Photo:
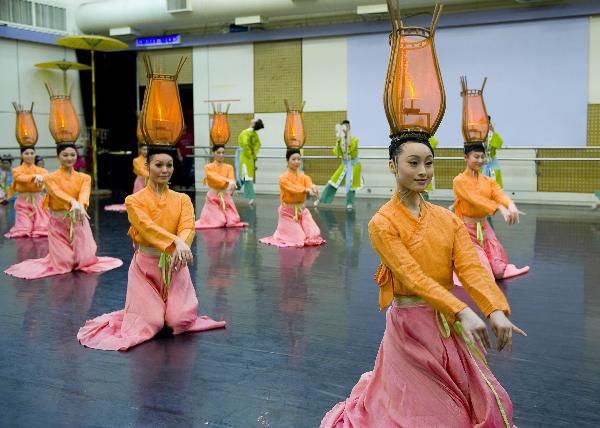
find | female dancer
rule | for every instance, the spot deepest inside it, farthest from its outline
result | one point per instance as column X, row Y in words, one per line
column 477, row 196
column 31, row 219
column 160, row 292
column 219, row 209
column 296, row 227
column 140, row 169
column 70, row 239
column 427, row 374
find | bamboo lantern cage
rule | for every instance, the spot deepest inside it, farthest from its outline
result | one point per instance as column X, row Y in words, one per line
column 161, row 120
column 26, row 131
column 219, row 130
column 414, row 97
column 475, row 122
column 64, row 123
column 293, row 133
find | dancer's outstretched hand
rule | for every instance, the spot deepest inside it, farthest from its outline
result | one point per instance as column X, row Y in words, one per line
column 182, row 256
column 504, row 329
column 79, row 212
column 474, row 328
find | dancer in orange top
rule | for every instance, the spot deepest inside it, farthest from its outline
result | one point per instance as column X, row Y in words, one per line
column 71, row 243
column 31, row 218
column 430, row 370
column 296, row 227
column 476, row 197
column 160, row 292
column 219, row 209
column 140, row 170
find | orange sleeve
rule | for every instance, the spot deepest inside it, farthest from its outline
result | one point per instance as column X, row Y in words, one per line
column 139, row 167
column 19, row 176
column 498, row 195
column 307, row 182
column 151, row 232
column 291, row 188
column 56, row 192
column 185, row 228
column 397, row 258
column 86, row 188
column 465, row 192
column 230, row 173
column 478, row 282
column 213, row 179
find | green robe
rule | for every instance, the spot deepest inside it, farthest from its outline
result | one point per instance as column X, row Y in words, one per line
column 350, row 165
column 246, row 155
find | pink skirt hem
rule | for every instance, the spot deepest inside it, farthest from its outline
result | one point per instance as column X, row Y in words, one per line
column 290, row 232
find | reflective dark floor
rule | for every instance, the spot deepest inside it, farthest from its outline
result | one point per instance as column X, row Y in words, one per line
column 303, row 325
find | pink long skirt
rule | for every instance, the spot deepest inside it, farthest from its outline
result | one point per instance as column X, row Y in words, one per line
column 31, row 219
column 64, row 256
column 422, row 380
column 138, row 184
column 295, row 233
column 492, row 254
column 215, row 215
column 146, row 312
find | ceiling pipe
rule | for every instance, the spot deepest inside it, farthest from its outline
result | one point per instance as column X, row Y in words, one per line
column 152, row 15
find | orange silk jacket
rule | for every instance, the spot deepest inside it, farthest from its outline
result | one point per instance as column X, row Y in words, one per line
column 418, row 257
column 63, row 187
column 157, row 222
column 477, row 196
column 293, row 187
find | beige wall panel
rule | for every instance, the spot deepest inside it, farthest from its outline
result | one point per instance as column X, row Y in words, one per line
column 324, row 74
column 201, row 133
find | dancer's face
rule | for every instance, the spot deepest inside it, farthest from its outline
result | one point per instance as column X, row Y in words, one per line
column 143, row 151
column 28, row 156
column 294, row 162
column 160, row 167
column 475, row 160
column 220, row 154
column 67, row 157
column 413, row 167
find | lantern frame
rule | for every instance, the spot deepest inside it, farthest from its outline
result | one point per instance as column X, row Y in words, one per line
column 398, row 40
column 465, row 93
column 295, row 113
column 21, row 114
column 219, row 112
column 151, row 76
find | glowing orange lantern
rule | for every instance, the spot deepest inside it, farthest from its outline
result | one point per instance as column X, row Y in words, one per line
column 219, row 131
column 64, row 124
column 293, row 133
column 414, row 97
column 25, row 129
column 162, row 116
column 475, row 122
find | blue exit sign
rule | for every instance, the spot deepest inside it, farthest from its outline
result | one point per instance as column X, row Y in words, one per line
column 173, row 39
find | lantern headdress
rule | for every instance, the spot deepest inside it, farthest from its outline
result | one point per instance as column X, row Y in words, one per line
column 293, row 133
column 414, row 97
column 64, row 123
column 25, row 129
column 161, row 120
column 475, row 122
column 219, row 130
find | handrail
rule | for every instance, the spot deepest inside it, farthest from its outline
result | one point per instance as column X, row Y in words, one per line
column 386, row 148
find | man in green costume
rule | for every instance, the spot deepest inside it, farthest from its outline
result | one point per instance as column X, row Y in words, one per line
column 245, row 158
column 349, row 172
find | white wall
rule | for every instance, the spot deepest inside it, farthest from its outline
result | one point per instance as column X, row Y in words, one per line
column 23, row 83
column 594, row 52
